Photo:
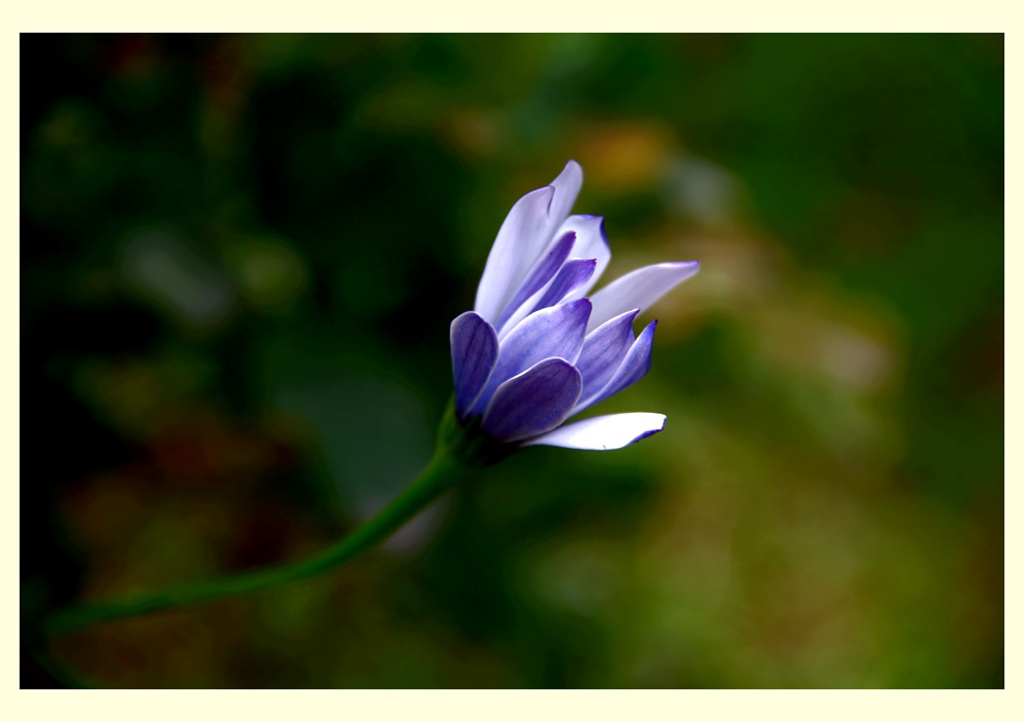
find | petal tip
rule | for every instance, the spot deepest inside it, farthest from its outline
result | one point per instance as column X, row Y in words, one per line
column 649, row 328
column 546, row 194
column 548, row 190
column 649, row 432
column 579, row 303
column 551, row 197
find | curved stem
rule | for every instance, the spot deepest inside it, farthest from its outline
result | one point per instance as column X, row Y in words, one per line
column 441, row 474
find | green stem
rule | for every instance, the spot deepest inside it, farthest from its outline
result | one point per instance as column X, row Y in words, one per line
column 441, row 474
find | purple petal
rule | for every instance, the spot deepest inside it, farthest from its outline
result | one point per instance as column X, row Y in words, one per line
column 553, row 332
column 603, row 433
column 474, row 351
column 639, row 289
column 602, row 354
column 591, row 242
column 571, row 276
column 522, row 238
column 635, row 364
column 533, row 402
column 543, row 271
column 507, row 262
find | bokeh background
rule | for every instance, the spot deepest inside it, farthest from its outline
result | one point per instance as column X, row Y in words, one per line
column 239, row 259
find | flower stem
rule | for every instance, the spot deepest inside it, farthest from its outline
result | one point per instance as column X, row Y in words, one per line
column 443, row 471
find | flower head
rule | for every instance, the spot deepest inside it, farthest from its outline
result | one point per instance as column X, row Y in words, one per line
column 535, row 350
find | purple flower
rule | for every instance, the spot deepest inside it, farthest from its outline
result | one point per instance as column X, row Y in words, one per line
column 536, row 350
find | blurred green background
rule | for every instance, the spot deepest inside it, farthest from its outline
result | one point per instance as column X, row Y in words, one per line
column 239, row 259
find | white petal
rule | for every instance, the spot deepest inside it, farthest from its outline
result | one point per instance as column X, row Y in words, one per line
column 603, row 433
column 522, row 239
column 506, row 265
column 591, row 242
column 567, row 186
column 638, row 289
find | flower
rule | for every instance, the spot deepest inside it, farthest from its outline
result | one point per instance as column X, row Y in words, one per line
column 535, row 350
